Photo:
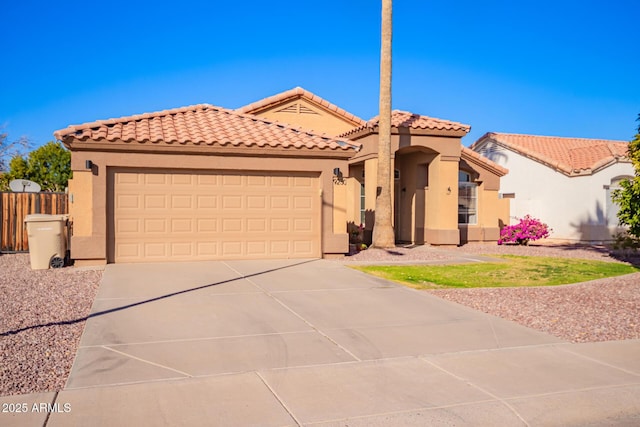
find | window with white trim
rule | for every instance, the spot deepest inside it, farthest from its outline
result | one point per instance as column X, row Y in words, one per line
column 467, row 199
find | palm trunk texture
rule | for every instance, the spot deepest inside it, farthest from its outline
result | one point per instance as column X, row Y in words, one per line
column 383, row 235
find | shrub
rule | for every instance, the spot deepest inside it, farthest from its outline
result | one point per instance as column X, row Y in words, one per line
column 526, row 230
column 626, row 242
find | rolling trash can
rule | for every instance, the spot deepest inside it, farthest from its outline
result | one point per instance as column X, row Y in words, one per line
column 47, row 236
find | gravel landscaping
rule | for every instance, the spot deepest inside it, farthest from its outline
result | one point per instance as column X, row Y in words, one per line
column 44, row 312
column 41, row 321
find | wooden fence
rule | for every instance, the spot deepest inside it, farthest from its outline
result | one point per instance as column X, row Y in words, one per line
column 14, row 207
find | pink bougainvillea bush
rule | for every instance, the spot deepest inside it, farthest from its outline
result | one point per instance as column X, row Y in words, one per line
column 526, row 230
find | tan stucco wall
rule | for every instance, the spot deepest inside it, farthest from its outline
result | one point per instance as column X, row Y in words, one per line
column 427, row 212
column 442, row 202
column 340, row 202
column 413, row 188
column 92, row 189
column 491, row 210
column 447, row 146
column 81, row 203
column 307, row 115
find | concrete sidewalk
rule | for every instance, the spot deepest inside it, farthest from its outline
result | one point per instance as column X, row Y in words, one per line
column 312, row 342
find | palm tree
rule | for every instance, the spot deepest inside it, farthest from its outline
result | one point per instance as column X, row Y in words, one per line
column 383, row 235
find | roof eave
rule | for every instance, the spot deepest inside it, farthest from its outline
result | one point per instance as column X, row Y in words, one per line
column 74, row 144
column 364, row 131
column 479, row 160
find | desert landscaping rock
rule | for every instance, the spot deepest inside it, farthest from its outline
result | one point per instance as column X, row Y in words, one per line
column 41, row 321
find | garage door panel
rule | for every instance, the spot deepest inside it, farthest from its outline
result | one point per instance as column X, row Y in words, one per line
column 128, row 201
column 154, row 201
column 207, row 225
column 129, row 225
column 280, row 202
column 164, row 215
column 302, row 203
column 232, row 180
column 207, row 202
column 179, row 179
column 155, row 225
column 181, row 201
column 154, row 180
column 256, row 202
column 232, row 202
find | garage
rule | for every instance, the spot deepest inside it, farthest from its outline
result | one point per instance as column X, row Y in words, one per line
column 177, row 215
column 204, row 183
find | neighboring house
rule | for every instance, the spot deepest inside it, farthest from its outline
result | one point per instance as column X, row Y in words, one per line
column 204, row 182
column 565, row 182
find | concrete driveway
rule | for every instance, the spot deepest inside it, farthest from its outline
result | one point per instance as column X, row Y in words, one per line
column 312, row 342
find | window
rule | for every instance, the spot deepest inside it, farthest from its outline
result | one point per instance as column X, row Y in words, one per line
column 467, row 199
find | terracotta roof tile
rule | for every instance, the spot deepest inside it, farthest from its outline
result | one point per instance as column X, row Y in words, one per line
column 470, row 154
column 571, row 156
column 405, row 119
column 201, row 124
column 299, row 92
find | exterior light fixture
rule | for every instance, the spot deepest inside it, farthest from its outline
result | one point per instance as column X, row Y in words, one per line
column 88, row 164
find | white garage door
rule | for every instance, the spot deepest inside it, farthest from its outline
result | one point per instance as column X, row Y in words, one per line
column 177, row 216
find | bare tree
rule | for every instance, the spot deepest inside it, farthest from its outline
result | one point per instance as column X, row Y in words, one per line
column 383, row 235
column 10, row 149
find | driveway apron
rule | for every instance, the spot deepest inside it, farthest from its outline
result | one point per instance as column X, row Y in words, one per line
column 313, row 342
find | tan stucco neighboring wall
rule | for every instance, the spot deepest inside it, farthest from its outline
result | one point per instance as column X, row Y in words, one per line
column 93, row 214
column 309, row 116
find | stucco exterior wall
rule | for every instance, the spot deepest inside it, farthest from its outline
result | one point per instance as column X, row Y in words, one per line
column 574, row 207
column 441, row 225
column 81, row 202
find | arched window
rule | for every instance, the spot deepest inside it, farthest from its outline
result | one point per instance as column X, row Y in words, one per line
column 467, row 199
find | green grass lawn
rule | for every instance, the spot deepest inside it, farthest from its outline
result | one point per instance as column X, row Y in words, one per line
column 515, row 271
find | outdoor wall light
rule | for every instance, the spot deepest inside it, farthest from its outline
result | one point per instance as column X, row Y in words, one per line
column 448, row 190
column 337, row 172
column 88, row 164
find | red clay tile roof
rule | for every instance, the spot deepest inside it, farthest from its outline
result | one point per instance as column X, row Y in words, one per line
column 572, row 156
column 201, row 124
column 299, row 92
column 471, row 155
column 405, row 119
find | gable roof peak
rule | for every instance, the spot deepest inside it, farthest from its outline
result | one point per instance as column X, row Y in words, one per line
column 299, row 92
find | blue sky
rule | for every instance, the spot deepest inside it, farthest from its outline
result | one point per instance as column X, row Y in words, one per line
column 564, row 68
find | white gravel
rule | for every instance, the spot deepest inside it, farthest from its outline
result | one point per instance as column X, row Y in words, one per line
column 43, row 312
column 42, row 317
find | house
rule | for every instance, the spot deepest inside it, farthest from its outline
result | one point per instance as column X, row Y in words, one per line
column 565, row 182
column 278, row 178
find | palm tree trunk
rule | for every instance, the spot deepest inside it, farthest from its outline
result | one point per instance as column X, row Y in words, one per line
column 383, row 235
